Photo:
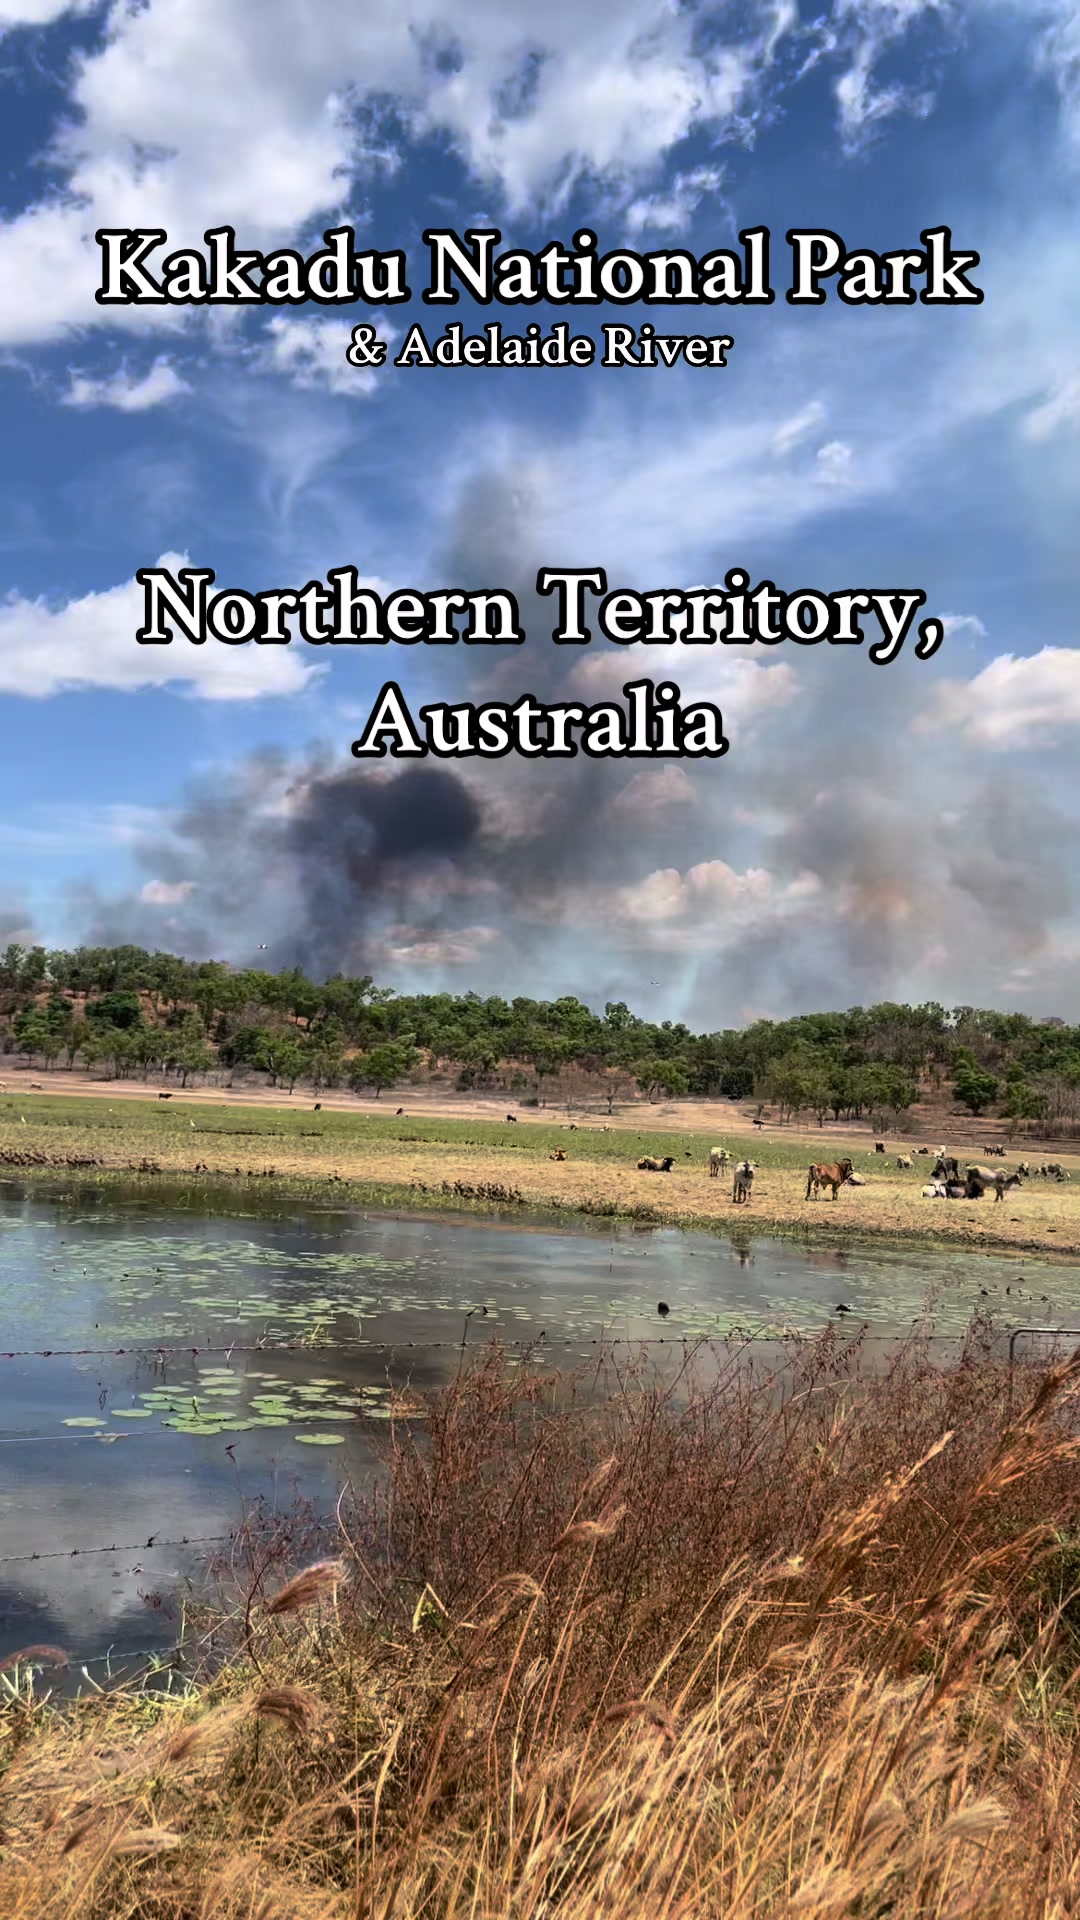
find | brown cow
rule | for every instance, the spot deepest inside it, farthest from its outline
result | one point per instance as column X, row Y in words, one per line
column 834, row 1177
column 557, row 1153
column 648, row 1165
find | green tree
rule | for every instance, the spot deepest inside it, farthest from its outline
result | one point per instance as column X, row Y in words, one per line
column 974, row 1089
column 383, row 1066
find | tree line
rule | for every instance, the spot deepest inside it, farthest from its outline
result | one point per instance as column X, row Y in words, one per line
column 135, row 1013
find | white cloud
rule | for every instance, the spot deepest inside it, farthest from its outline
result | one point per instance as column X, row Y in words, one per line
column 743, row 689
column 264, row 112
column 311, row 354
column 196, row 111
column 165, row 893
column 834, row 464
column 1017, row 701
column 127, row 395
column 672, row 209
column 669, row 911
column 791, row 431
column 90, row 642
column 39, row 13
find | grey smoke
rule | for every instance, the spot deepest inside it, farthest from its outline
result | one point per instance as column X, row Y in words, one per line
column 930, row 878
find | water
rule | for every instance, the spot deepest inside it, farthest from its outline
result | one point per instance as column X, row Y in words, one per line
column 171, row 1418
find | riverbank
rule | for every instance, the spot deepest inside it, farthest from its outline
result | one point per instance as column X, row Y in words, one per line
column 791, row 1644
column 431, row 1160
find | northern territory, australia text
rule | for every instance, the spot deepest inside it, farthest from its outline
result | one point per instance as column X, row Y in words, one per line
column 344, row 610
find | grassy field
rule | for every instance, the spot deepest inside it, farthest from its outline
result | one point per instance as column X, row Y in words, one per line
column 799, row 1647
column 436, row 1160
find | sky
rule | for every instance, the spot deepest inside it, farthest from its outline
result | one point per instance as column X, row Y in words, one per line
column 905, row 831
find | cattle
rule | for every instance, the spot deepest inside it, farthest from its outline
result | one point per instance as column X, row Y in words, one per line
column 954, row 1190
column 649, row 1165
column 1004, row 1183
column 317, row 1108
column 986, row 1174
column 743, row 1184
column 935, row 1191
column 924, row 1149
column 164, row 1096
column 904, row 1160
column 834, row 1177
column 1024, row 1170
column 945, row 1168
column 511, row 1119
column 995, row 1153
column 879, row 1146
column 718, row 1159
column 557, row 1153
column 855, row 1180
column 759, row 1123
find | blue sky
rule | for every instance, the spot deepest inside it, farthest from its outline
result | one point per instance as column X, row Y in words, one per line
column 903, row 831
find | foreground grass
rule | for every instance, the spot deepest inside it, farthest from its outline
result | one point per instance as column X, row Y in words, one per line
column 367, row 1158
column 780, row 1645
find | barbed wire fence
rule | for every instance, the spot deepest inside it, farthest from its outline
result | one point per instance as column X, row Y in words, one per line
column 162, row 1660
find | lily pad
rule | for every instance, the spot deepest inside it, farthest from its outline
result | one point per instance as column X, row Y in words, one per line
column 133, row 1413
column 320, row 1439
column 83, row 1420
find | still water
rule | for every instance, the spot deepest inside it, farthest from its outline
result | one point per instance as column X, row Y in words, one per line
column 146, row 1393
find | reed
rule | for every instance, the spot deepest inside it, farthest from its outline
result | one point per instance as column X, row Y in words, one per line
column 798, row 1644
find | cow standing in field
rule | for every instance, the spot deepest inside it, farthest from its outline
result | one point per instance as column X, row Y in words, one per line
column 511, row 1119
column 834, row 1177
column 946, row 1168
column 904, row 1161
column 718, row 1159
column 744, row 1181
column 879, row 1146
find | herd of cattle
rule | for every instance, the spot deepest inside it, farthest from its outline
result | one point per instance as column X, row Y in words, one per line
column 947, row 1181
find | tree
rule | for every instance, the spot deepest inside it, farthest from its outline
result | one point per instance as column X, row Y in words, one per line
column 974, row 1089
column 383, row 1066
column 120, row 1010
column 1022, row 1102
column 289, row 1062
column 656, row 1076
column 77, row 1036
column 31, row 1030
column 617, row 1084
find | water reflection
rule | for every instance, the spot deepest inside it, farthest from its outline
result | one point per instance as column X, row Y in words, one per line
column 197, row 1361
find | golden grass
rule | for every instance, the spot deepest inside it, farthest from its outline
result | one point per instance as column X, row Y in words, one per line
column 797, row 1645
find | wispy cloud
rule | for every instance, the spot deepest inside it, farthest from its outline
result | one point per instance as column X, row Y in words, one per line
column 127, row 394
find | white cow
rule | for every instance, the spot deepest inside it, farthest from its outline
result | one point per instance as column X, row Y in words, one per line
column 718, row 1159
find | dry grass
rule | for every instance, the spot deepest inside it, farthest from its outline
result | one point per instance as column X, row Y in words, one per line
column 790, row 1645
